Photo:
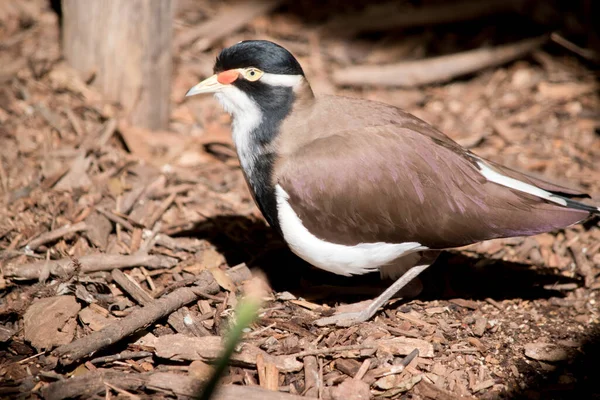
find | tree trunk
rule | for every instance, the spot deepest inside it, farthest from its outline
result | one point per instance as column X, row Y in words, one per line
column 127, row 43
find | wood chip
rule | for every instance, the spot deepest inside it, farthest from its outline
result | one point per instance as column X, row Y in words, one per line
column 351, row 389
column 402, row 346
column 50, row 321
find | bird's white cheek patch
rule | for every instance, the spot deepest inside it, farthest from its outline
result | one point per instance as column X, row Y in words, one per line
column 332, row 257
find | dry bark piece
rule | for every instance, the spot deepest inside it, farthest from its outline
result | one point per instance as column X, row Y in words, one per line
column 6, row 333
column 479, row 327
column 99, row 227
column 546, row 352
column 209, row 348
column 403, row 346
column 94, row 319
column 311, row 376
column 50, row 321
column 431, row 391
column 200, row 370
column 77, row 176
column 398, row 382
column 483, row 385
column 565, row 91
column 131, row 287
column 268, row 374
column 351, row 389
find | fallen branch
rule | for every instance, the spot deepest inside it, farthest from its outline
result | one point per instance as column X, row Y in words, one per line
column 434, row 70
column 226, row 22
column 144, row 316
column 389, row 16
column 90, row 263
column 55, row 235
column 93, row 383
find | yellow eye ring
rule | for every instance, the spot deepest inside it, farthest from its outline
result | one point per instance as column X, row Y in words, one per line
column 252, row 74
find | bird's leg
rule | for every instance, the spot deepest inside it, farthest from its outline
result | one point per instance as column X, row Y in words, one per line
column 349, row 319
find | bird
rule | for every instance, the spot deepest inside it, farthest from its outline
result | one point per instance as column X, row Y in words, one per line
column 355, row 186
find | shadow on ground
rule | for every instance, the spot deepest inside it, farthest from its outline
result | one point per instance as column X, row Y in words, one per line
column 453, row 275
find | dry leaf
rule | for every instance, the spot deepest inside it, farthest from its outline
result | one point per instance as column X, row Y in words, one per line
column 222, row 279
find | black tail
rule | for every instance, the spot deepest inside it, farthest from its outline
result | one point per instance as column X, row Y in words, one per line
column 576, row 205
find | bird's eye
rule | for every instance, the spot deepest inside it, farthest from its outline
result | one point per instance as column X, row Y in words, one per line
column 252, row 74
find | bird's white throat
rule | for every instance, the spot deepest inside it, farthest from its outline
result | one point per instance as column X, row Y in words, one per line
column 246, row 116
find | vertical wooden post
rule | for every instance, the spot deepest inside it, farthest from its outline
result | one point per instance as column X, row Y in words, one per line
column 128, row 45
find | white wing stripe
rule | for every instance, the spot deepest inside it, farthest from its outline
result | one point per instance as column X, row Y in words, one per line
column 515, row 184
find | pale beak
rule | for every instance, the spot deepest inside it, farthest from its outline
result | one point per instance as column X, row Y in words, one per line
column 209, row 85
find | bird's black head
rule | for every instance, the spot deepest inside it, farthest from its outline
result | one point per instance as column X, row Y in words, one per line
column 256, row 81
column 254, row 75
column 261, row 54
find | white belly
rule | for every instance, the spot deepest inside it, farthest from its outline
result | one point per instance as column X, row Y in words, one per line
column 337, row 258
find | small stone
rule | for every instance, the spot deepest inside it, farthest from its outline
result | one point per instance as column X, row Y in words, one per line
column 545, row 352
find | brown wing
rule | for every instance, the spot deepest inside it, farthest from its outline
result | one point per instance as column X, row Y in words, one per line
column 396, row 184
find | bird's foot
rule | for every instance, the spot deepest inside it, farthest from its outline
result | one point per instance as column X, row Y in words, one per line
column 345, row 319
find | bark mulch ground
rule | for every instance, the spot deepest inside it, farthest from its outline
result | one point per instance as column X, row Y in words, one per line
column 122, row 251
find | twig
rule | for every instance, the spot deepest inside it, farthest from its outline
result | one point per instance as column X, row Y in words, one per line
column 226, row 22
column 164, row 206
column 142, row 317
column 89, row 263
column 330, row 350
column 74, row 122
column 131, row 287
column 55, row 235
column 116, row 219
column 567, row 44
column 388, row 16
column 125, row 355
column 434, row 70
